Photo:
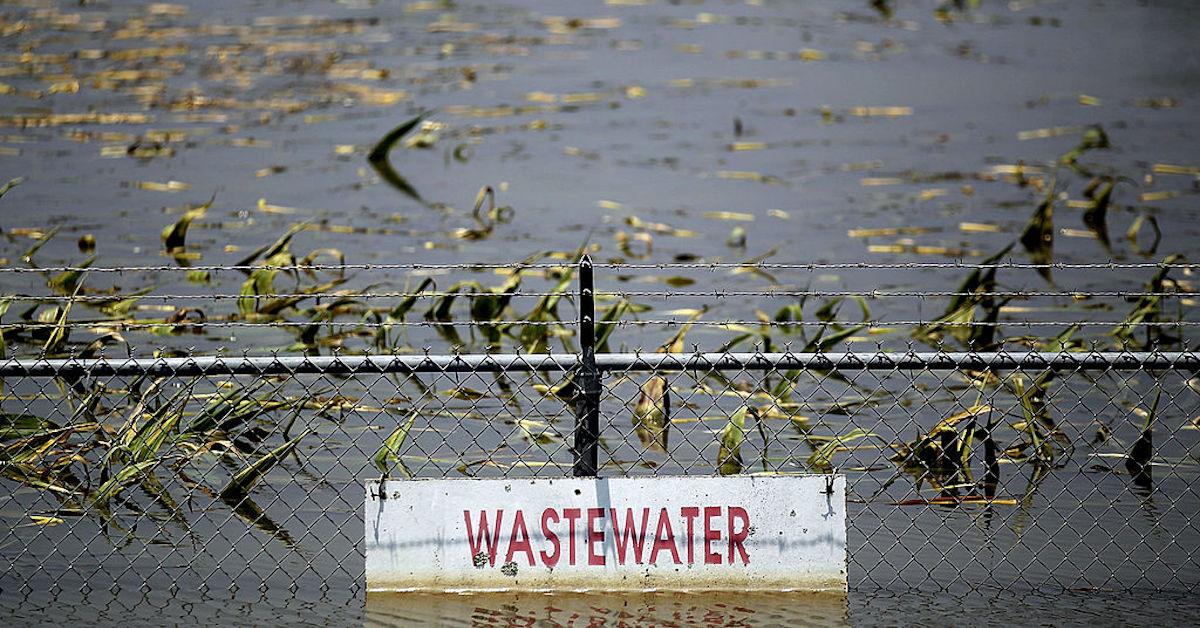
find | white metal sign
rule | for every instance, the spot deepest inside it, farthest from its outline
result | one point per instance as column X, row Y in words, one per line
column 677, row 533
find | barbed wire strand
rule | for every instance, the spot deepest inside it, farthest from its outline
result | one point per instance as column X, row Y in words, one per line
column 957, row 264
column 620, row 323
column 718, row 294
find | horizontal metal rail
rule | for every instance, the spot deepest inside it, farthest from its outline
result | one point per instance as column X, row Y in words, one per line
column 605, row 362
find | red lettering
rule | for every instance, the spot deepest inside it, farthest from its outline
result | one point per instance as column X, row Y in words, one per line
column 664, row 538
column 629, row 537
column 595, row 536
column 571, row 515
column 476, row 540
column 736, row 537
column 690, row 513
column 710, row 535
column 629, row 534
column 522, row 545
column 550, row 560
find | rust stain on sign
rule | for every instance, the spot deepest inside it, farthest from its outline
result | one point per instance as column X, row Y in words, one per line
column 581, row 534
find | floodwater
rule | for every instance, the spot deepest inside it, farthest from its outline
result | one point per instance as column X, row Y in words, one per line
column 650, row 130
column 646, row 609
column 654, row 131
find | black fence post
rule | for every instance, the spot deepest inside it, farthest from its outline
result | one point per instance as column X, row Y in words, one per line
column 587, row 396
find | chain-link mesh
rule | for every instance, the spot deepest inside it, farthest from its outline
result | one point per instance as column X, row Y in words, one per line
column 159, row 481
column 200, row 476
column 1019, row 463
column 1077, row 474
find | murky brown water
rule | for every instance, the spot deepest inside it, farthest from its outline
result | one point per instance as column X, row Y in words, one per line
column 801, row 123
column 651, row 609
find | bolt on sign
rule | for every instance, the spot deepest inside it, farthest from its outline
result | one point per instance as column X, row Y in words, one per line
column 673, row 533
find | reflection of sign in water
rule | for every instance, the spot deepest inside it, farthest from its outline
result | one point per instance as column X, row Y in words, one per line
column 744, row 532
column 596, row 610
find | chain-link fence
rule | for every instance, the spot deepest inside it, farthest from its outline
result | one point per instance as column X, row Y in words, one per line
column 1042, row 462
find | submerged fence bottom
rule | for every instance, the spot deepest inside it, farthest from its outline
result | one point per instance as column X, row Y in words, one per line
column 158, row 482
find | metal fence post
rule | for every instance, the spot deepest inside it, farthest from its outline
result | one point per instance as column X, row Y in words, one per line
column 587, row 399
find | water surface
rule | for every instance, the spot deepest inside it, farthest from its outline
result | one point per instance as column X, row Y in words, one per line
column 650, row 130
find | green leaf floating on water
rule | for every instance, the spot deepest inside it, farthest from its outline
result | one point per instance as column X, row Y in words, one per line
column 652, row 415
column 67, row 281
column 231, row 409
column 821, row 460
column 397, row 313
column 272, row 250
column 389, row 453
column 1138, row 461
column 145, row 441
column 242, row 481
column 963, row 307
column 261, row 282
column 1099, row 194
column 1148, row 306
column 62, row 332
column 378, row 158
column 12, row 183
column 128, row 475
column 174, row 236
column 609, row 322
column 1094, row 138
column 385, row 144
column 27, row 257
column 1038, row 236
column 22, row 425
column 729, row 458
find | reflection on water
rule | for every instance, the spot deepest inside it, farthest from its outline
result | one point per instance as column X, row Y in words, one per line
column 866, row 608
column 624, row 609
column 1078, row 607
